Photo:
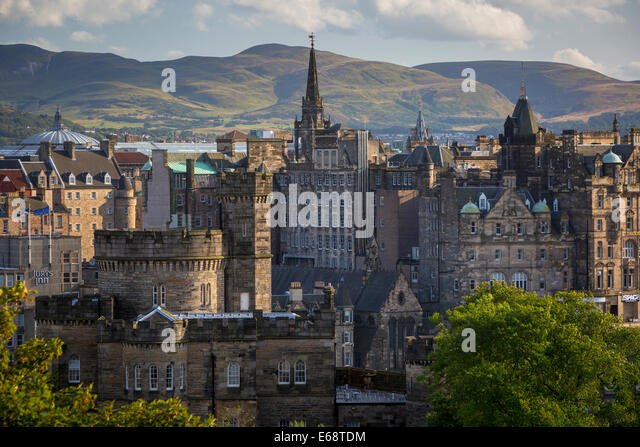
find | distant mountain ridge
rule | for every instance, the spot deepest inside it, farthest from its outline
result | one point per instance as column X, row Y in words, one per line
column 262, row 87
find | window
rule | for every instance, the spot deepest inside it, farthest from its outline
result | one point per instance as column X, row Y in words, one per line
column 233, row 375
column 543, row 254
column 77, row 196
column 153, row 378
column 564, row 228
column 346, row 337
column 498, row 229
column 163, row 295
column 137, row 376
column 627, row 278
column 566, row 253
column 77, row 211
column 347, row 358
column 498, row 255
column 600, row 201
column 565, row 280
column 472, row 255
column 126, row 377
column 74, row 369
column 455, row 284
column 283, row 373
column 610, row 279
column 244, row 301
column 93, row 195
column 109, row 211
column 300, row 376
column 109, row 194
column 72, row 179
column 628, row 250
column 5, row 226
column 69, row 196
column 182, row 376
column 107, row 179
column 473, row 227
column 519, row 254
column 610, row 251
column 348, row 316
column 542, row 283
column 555, row 205
column 472, row 284
column 599, row 279
column 155, row 295
column 519, row 280
column 203, row 299
column 169, row 378
column 483, row 202
column 519, row 229
column 497, row 277
column 89, row 179
column 630, row 223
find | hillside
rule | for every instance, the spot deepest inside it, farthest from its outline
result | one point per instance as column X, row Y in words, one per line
column 557, row 92
column 15, row 126
column 260, row 86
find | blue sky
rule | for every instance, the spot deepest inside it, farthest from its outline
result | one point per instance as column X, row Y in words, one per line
column 597, row 34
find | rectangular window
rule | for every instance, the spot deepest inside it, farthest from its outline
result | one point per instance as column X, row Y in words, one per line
column 455, row 284
column 472, row 255
column 599, row 225
column 519, row 254
column 498, row 229
column 153, row 378
column 566, row 254
column 58, row 221
column 543, row 254
column 182, row 376
column 137, row 378
column 348, row 316
column 542, row 283
column 565, row 280
column 473, row 227
column 519, row 227
column 346, row 337
column 93, row 195
column 5, row 226
column 347, row 358
column 472, row 284
column 609, row 279
column 600, row 201
column 498, row 255
column 77, row 196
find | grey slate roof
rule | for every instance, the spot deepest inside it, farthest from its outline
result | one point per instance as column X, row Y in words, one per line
column 376, row 291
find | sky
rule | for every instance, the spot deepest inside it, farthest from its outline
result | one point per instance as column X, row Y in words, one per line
column 602, row 35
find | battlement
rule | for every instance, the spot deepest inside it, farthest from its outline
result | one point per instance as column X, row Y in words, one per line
column 250, row 184
column 73, row 308
column 132, row 245
column 218, row 327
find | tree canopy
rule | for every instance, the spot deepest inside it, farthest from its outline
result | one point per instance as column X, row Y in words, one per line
column 538, row 361
column 29, row 397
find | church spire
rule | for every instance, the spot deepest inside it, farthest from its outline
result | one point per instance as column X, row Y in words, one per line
column 313, row 92
column 616, row 127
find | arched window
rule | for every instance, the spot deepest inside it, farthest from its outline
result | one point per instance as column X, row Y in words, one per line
column 483, row 202
column 155, row 295
column 89, row 179
column 555, row 205
column 72, row 179
column 519, row 279
column 203, row 294
column 153, row 378
column 628, row 250
column 169, row 378
column 137, row 377
column 74, row 369
column 163, row 295
column 300, row 373
column 284, row 373
column 208, row 294
column 107, row 178
column 233, row 375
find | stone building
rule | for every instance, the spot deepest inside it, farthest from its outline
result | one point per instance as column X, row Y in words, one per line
column 327, row 157
column 474, row 234
column 231, row 355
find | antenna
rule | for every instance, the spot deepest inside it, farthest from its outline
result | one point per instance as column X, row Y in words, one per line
column 312, row 36
column 523, row 89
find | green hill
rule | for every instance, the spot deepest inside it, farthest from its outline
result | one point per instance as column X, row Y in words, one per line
column 15, row 126
column 557, row 92
column 262, row 86
column 258, row 87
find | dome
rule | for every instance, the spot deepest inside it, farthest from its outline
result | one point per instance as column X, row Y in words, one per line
column 57, row 135
column 540, row 207
column 470, row 208
column 611, row 157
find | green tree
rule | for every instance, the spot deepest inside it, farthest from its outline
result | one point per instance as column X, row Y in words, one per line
column 29, row 397
column 539, row 361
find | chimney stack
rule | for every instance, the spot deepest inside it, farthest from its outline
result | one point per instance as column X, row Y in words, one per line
column 328, row 296
column 295, row 292
column 44, row 153
column 108, row 147
column 70, row 149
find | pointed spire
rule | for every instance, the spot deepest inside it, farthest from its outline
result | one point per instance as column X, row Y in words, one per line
column 57, row 124
column 421, row 130
column 313, row 92
column 616, row 127
column 523, row 88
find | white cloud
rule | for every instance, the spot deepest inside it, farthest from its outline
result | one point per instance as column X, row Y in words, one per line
column 118, row 50
column 56, row 12
column 597, row 11
column 308, row 15
column 573, row 56
column 202, row 12
column 475, row 20
column 82, row 36
column 175, row 54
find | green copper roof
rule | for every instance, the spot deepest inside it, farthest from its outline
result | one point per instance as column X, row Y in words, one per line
column 540, row 207
column 611, row 157
column 147, row 165
column 470, row 208
column 200, row 167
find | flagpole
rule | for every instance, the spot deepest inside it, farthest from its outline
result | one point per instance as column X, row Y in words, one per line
column 29, row 231
column 50, row 225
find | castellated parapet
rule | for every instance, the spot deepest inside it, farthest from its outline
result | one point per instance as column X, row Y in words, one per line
column 176, row 269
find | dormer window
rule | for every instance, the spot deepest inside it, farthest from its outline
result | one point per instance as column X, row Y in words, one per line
column 42, row 180
column 483, row 202
column 72, row 179
column 89, row 179
column 107, row 178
